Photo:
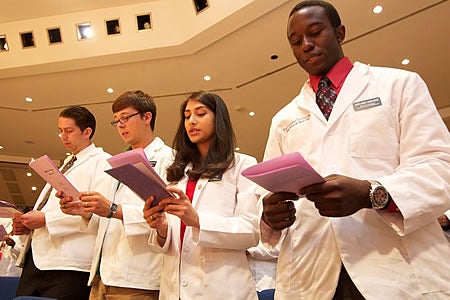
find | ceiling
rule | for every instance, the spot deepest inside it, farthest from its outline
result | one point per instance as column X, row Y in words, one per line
column 233, row 45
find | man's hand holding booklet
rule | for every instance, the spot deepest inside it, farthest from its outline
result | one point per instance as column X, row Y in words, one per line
column 286, row 173
column 133, row 169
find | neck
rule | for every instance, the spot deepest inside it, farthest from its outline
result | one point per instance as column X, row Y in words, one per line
column 144, row 142
column 79, row 150
column 203, row 149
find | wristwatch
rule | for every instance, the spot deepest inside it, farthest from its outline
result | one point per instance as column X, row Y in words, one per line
column 378, row 195
column 112, row 210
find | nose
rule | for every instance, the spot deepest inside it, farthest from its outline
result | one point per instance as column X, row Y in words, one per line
column 307, row 44
column 192, row 119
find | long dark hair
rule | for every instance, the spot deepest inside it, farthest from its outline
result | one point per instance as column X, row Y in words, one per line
column 220, row 155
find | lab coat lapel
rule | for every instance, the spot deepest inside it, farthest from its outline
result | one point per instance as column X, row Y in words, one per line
column 355, row 83
column 307, row 100
column 201, row 184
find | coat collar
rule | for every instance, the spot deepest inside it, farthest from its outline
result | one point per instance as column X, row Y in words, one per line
column 356, row 81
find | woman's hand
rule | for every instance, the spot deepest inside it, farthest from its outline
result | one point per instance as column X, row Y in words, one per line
column 156, row 218
column 180, row 207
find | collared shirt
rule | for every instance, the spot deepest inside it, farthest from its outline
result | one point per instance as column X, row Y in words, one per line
column 337, row 75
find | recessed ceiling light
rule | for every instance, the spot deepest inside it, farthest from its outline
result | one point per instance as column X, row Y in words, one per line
column 33, row 188
column 110, row 90
column 28, row 99
column 68, row 153
column 88, row 32
column 405, row 62
column 207, row 78
column 377, row 9
column 237, row 149
column 251, row 114
column 1, row 147
column 29, row 174
column 59, row 135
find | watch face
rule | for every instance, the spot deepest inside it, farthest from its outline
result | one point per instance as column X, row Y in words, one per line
column 381, row 195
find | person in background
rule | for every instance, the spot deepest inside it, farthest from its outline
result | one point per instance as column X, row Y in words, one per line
column 205, row 229
column 123, row 266
column 57, row 263
column 10, row 246
column 369, row 231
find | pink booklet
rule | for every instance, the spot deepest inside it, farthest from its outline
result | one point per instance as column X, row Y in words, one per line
column 286, row 173
column 47, row 169
column 133, row 169
column 7, row 210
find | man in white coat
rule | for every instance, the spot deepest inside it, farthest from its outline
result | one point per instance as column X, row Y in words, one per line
column 58, row 262
column 370, row 231
column 124, row 266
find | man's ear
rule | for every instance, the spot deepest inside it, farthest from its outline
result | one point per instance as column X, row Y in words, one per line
column 148, row 117
column 340, row 33
column 87, row 132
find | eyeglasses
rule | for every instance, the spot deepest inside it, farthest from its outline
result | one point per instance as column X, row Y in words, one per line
column 123, row 120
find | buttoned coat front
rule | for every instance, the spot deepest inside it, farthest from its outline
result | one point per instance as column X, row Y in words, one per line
column 213, row 263
column 384, row 126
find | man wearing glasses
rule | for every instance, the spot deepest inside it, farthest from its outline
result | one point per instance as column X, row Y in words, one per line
column 58, row 262
column 123, row 265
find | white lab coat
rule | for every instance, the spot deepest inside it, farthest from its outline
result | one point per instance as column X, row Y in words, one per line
column 64, row 243
column 213, row 263
column 126, row 258
column 403, row 144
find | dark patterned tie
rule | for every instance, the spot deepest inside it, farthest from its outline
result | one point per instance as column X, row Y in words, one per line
column 325, row 96
column 63, row 170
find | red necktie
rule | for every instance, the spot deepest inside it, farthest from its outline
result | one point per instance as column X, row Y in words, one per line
column 325, row 96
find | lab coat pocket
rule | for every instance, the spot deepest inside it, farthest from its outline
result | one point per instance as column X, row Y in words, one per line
column 372, row 133
column 219, row 198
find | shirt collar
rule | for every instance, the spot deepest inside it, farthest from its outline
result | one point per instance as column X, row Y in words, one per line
column 337, row 74
column 85, row 152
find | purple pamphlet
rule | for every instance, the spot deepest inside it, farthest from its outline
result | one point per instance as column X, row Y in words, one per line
column 133, row 169
column 7, row 210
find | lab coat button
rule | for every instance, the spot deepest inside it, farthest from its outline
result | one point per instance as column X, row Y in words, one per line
column 187, row 248
column 199, row 187
column 184, row 283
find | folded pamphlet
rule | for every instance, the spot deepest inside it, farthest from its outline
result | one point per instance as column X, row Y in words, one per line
column 47, row 169
column 286, row 173
column 133, row 169
column 7, row 210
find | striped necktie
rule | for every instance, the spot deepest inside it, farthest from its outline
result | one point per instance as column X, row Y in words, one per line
column 325, row 96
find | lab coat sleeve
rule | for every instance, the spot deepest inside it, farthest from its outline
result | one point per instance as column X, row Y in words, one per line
column 419, row 186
